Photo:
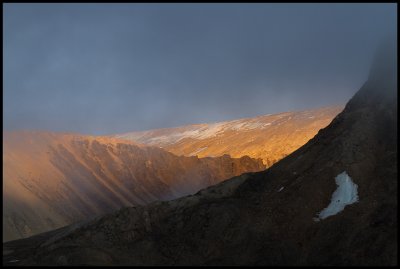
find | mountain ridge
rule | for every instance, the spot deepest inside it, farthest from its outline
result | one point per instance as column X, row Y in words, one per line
column 269, row 137
column 52, row 179
column 261, row 218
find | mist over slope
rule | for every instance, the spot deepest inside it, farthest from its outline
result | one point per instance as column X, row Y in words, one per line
column 263, row 218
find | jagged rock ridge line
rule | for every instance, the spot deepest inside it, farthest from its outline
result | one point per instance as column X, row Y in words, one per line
column 250, row 219
column 52, row 180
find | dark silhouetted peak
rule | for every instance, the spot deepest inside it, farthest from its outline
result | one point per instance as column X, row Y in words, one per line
column 381, row 87
column 265, row 218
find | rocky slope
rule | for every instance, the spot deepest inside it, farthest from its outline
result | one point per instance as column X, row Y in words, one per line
column 264, row 218
column 51, row 179
column 269, row 137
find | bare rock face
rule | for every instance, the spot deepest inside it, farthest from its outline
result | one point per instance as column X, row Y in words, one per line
column 269, row 137
column 263, row 218
column 52, row 180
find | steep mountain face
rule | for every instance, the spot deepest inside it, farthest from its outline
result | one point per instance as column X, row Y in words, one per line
column 269, row 137
column 264, row 218
column 51, row 180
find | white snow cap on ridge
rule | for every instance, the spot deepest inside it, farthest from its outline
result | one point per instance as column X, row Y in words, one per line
column 345, row 194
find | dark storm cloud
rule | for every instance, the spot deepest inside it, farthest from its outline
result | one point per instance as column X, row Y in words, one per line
column 111, row 68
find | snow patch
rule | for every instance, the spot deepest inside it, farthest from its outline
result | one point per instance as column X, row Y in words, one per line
column 345, row 194
column 199, row 131
column 197, row 151
column 281, row 189
column 245, row 125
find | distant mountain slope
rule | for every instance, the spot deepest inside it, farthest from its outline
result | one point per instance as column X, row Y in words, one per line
column 51, row 180
column 269, row 137
column 265, row 218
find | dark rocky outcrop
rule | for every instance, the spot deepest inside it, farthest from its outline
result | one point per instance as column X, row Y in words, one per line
column 264, row 218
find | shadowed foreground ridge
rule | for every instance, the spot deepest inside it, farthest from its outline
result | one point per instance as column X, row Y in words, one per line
column 264, row 218
column 51, row 180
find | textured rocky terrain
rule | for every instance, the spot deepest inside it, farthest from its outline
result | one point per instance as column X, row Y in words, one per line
column 269, row 137
column 51, row 180
column 264, row 218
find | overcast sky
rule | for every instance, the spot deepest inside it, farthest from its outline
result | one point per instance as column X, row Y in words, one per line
column 112, row 68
